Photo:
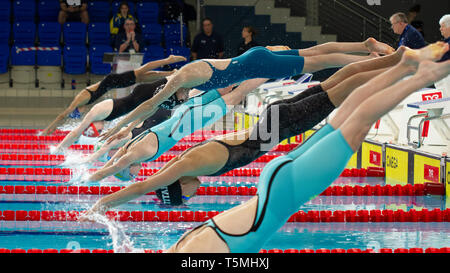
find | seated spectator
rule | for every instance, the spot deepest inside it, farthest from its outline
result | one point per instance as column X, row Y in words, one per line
column 73, row 11
column 128, row 39
column 409, row 36
column 208, row 44
column 445, row 31
column 118, row 19
column 444, row 84
column 248, row 34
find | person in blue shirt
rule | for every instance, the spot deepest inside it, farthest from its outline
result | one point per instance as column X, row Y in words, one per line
column 409, row 36
column 445, row 31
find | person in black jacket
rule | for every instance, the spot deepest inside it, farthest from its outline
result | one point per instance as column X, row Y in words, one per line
column 248, row 34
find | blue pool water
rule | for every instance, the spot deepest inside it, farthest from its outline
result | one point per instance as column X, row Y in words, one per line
column 158, row 235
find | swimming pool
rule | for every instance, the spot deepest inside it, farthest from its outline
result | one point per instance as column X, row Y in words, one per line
column 355, row 213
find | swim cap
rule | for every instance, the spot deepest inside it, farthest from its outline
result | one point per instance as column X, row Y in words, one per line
column 171, row 102
column 170, row 195
column 75, row 114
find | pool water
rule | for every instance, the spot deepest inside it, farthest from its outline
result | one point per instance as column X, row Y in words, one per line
column 161, row 235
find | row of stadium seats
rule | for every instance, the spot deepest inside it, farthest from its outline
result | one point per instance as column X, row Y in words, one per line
column 76, row 33
column 101, row 10
column 74, row 57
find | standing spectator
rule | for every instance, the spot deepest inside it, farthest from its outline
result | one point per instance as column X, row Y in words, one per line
column 128, row 39
column 73, row 11
column 248, row 34
column 208, row 44
column 118, row 19
column 412, row 18
column 409, row 36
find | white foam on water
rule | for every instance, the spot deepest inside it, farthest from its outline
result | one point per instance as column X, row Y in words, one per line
column 121, row 242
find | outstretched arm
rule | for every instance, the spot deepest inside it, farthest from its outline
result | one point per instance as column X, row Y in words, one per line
column 156, row 181
column 98, row 112
column 81, row 99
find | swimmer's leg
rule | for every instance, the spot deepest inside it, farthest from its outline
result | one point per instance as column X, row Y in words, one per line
column 407, row 66
column 333, row 60
column 144, row 72
column 358, row 124
column 370, row 45
column 363, row 66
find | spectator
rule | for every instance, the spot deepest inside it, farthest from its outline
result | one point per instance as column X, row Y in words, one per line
column 409, row 36
column 73, row 11
column 444, row 84
column 118, row 19
column 412, row 19
column 445, row 31
column 248, row 34
column 128, row 39
column 208, row 44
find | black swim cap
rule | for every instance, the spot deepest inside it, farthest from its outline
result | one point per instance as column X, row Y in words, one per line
column 170, row 195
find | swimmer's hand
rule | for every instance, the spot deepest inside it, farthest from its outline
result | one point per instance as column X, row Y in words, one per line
column 92, row 214
column 109, row 133
column 124, row 132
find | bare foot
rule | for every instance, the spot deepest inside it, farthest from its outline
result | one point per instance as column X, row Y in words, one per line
column 375, row 46
column 433, row 52
column 432, row 72
column 176, row 59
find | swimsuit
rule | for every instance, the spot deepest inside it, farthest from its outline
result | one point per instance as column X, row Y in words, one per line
column 286, row 183
column 258, row 62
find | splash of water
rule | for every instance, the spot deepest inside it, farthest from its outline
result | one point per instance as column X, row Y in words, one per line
column 121, row 242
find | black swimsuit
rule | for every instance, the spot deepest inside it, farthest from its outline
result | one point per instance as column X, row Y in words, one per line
column 113, row 81
column 297, row 115
column 160, row 116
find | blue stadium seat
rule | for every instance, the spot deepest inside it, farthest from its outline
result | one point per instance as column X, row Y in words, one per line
column 172, row 34
column 5, row 32
column 115, row 7
column 147, row 12
column 99, row 11
column 24, row 33
column 181, row 51
column 48, row 10
column 96, row 60
column 99, row 34
column 24, row 10
column 152, row 33
column 75, row 59
column 49, row 33
column 49, row 58
column 152, row 53
column 74, row 33
column 5, row 11
column 4, row 58
column 23, row 57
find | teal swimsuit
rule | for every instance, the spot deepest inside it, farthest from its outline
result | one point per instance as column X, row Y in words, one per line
column 286, row 183
column 196, row 113
column 257, row 62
